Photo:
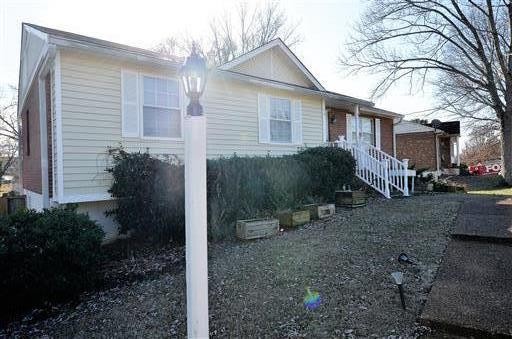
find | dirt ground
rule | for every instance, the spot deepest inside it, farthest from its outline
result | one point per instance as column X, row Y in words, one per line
column 256, row 288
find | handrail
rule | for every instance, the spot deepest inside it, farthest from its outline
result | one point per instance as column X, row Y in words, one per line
column 377, row 168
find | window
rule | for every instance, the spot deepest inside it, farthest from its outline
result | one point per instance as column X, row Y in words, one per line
column 280, row 120
column 27, row 133
column 367, row 128
column 161, row 114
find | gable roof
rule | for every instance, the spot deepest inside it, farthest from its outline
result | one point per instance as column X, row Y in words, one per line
column 281, row 45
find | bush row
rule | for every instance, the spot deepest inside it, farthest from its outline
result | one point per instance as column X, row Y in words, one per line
column 150, row 192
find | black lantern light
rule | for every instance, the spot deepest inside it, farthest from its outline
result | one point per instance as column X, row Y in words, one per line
column 193, row 75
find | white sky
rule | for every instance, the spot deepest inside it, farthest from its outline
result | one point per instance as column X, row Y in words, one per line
column 324, row 26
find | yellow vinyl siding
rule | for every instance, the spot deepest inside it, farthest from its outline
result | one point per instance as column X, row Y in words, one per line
column 91, row 120
column 274, row 64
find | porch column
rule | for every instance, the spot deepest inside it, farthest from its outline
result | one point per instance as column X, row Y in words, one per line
column 457, row 153
column 356, row 116
column 438, row 155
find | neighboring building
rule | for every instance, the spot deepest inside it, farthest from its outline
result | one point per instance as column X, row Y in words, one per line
column 78, row 96
column 435, row 149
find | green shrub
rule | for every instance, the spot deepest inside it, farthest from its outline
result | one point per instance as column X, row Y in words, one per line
column 49, row 255
column 329, row 168
column 150, row 196
column 150, row 192
column 249, row 187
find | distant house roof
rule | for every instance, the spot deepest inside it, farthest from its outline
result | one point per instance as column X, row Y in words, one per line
column 449, row 127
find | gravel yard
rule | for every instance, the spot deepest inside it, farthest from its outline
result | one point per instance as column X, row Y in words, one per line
column 257, row 287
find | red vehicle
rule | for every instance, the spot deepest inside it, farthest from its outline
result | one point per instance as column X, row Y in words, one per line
column 491, row 167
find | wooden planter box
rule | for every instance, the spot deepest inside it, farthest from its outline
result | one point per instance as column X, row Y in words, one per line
column 294, row 218
column 317, row 211
column 11, row 204
column 351, row 198
column 256, row 228
column 325, row 211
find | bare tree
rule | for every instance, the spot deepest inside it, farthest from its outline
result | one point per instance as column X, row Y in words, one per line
column 236, row 33
column 461, row 48
column 483, row 144
column 9, row 130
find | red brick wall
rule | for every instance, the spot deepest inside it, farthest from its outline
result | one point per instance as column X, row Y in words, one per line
column 31, row 167
column 386, row 135
column 339, row 127
column 419, row 148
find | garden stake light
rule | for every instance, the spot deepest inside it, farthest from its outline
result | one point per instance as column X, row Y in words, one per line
column 399, row 277
column 193, row 75
column 404, row 259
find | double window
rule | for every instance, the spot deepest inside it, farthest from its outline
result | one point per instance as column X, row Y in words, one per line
column 161, row 114
column 280, row 120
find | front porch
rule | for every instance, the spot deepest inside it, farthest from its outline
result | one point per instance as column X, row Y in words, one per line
column 368, row 133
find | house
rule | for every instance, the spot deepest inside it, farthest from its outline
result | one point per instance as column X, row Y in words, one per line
column 79, row 95
column 427, row 147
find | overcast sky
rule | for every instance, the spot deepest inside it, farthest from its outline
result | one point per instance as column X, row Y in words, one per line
column 324, row 26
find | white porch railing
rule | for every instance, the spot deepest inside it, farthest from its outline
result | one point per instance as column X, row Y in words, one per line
column 377, row 168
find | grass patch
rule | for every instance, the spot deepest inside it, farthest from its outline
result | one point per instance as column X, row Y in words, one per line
column 494, row 191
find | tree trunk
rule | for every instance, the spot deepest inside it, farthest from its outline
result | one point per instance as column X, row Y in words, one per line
column 506, row 144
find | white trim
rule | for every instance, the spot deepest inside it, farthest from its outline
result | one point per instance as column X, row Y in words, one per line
column 31, row 78
column 325, row 122
column 274, row 43
column 377, row 133
column 75, row 198
column 58, row 123
column 34, row 200
column 43, row 137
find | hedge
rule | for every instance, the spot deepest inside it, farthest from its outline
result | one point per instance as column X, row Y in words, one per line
column 150, row 192
column 49, row 255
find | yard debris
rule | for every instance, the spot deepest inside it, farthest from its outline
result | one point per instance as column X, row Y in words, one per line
column 256, row 288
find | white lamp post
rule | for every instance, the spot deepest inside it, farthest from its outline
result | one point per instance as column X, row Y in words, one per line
column 193, row 75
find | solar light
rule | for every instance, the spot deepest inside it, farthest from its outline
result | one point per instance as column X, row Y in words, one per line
column 404, row 258
column 398, row 277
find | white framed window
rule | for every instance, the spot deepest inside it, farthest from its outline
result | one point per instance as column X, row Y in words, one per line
column 367, row 129
column 280, row 120
column 161, row 112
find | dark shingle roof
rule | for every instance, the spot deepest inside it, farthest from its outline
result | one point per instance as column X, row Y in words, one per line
column 102, row 43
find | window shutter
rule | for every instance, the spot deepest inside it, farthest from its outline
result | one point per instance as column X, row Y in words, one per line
column 296, row 122
column 130, row 104
column 377, row 133
column 349, row 128
column 263, row 117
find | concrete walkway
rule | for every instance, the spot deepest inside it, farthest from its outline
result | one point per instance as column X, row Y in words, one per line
column 472, row 293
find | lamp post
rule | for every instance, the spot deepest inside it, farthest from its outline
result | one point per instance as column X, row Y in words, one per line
column 193, row 76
